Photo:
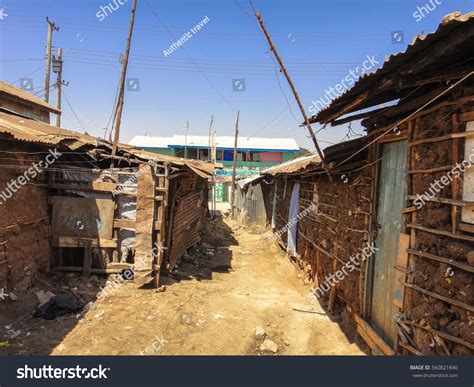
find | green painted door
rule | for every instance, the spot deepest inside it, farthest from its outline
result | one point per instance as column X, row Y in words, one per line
column 391, row 199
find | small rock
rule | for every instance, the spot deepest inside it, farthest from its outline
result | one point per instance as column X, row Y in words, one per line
column 12, row 296
column 269, row 346
column 470, row 258
column 260, row 333
column 287, row 343
column 161, row 289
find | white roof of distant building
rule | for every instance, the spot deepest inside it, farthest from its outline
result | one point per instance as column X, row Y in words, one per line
column 150, row 142
column 222, row 142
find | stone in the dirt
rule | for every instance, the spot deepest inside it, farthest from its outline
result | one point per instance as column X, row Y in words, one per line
column 59, row 305
column 260, row 333
column 12, row 296
column 470, row 258
column 161, row 289
column 44, row 297
column 269, row 346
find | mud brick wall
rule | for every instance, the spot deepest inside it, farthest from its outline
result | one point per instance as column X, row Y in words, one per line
column 329, row 236
column 425, row 313
column 24, row 224
column 337, row 230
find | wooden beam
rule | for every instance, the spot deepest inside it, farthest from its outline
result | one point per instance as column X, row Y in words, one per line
column 374, row 336
column 81, row 242
column 440, row 297
column 454, row 202
column 87, row 265
column 441, row 232
column 447, row 261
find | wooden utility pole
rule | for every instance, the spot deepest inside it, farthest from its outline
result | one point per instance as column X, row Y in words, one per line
column 293, row 88
column 186, row 140
column 59, row 82
column 210, row 133
column 49, row 43
column 118, row 114
column 234, row 166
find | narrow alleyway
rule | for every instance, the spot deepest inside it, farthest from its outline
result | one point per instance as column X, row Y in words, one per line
column 235, row 283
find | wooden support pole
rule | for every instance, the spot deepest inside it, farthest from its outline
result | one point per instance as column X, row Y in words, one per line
column 49, row 43
column 118, row 113
column 293, row 88
column 234, row 166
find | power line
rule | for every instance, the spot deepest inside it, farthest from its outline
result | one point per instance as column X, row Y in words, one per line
column 408, row 117
column 184, row 50
column 74, row 112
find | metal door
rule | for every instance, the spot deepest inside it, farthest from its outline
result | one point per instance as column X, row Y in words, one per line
column 391, row 199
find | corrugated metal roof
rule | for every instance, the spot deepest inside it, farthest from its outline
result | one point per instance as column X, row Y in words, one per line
column 27, row 97
column 292, row 165
column 222, row 142
column 415, row 53
column 23, row 129
column 31, row 131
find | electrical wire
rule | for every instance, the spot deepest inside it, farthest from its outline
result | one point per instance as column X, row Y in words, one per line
column 184, row 50
column 408, row 117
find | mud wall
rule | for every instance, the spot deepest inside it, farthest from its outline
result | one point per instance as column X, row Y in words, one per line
column 24, row 224
column 442, row 321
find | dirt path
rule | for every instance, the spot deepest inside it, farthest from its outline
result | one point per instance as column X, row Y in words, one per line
column 212, row 306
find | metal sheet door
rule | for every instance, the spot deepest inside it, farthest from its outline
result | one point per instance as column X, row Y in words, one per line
column 391, row 200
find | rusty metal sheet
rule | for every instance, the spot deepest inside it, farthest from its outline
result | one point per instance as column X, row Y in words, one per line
column 82, row 217
column 16, row 92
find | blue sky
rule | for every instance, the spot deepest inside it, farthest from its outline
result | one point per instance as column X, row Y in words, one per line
column 320, row 41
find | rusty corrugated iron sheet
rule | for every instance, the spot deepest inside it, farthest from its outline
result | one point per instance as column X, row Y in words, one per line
column 293, row 165
column 23, row 95
column 352, row 100
column 189, row 216
column 23, row 129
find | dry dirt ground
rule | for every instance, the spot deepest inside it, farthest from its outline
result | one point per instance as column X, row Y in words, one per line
column 234, row 283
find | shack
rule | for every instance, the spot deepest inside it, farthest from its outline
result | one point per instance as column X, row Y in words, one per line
column 390, row 246
column 63, row 206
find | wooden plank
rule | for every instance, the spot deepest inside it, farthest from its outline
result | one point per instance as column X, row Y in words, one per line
column 440, row 232
column 144, row 225
column 466, row 227
column 451, row 262
column 82, row 217
column 442, row 298
column 402, row 262
column 453, row 202
column 374, row 336
column 87, row 266
column 81, row 242
column 72, row 269
column 124, row 223
column 467, row 214
column 467, row 116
